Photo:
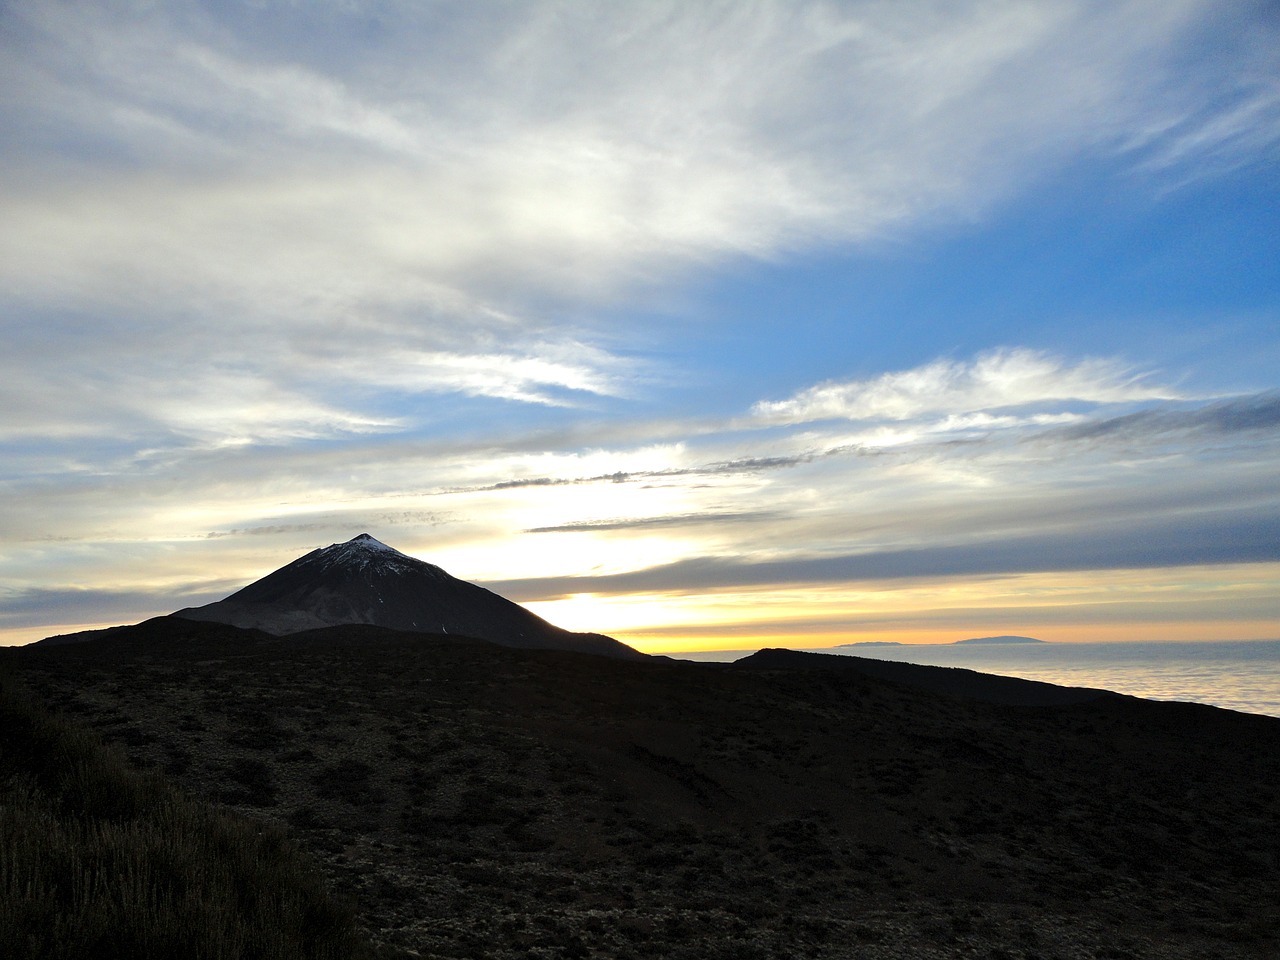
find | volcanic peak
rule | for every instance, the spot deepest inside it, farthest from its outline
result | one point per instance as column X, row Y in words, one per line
column 364, row 581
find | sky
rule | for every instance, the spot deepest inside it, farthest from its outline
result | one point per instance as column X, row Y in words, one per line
column 710, row 325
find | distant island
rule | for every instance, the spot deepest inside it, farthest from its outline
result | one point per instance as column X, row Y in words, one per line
column 1006, row 639
column 954, row 643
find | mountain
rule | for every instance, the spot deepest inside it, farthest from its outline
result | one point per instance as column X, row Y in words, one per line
column 364, row 581
column 997, row 640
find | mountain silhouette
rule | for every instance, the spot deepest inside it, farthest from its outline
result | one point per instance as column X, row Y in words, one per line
column 364, row 581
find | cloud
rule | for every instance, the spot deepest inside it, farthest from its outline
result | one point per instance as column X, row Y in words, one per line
column 332, row 523
column 997, row 380
column 833, row 481
column 36, row 607
column 1257, row 414
column 1234, row 123
column 550, row 374
column 233, row 226
column 1230, row 537
column 651, row 523
column 268, row 266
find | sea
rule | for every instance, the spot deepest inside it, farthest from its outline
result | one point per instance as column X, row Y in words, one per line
column 1239, row 675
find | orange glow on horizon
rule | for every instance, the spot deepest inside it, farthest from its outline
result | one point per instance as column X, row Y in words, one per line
column 1180, row 604
column 1116, row 633
column 1229, row 602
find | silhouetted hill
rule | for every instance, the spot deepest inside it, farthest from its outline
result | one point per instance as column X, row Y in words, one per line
column 953, row 681
column 476, row 800
column 158, row 629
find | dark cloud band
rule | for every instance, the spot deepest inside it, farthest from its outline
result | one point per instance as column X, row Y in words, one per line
column 1239, row 537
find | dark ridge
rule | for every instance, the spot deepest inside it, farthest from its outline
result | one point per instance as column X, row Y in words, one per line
column 952, row 681
column 169, row 629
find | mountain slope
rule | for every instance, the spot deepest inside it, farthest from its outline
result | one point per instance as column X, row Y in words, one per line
column 364, row 581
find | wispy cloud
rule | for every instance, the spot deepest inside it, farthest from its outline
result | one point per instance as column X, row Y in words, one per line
column 407, row 203
column 1254, row 414
column 651, row 523
column 994, row 381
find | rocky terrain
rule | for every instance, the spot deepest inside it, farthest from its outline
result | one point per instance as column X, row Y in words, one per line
column 482, row 801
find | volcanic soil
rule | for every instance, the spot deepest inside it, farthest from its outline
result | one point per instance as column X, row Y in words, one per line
column 480, row 801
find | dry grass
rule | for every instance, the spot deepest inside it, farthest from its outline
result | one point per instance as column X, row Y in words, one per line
column 100, row 860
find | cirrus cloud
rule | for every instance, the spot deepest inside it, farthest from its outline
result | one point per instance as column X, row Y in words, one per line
column 993, row 381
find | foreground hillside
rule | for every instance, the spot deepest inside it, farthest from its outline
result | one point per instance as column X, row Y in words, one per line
column 101, row 860
column 477, row 801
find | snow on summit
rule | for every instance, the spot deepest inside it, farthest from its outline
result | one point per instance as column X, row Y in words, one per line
column 363, row 551
column 362, row 544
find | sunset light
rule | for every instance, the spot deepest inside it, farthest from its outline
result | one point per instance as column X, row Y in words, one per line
column 841, row 321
